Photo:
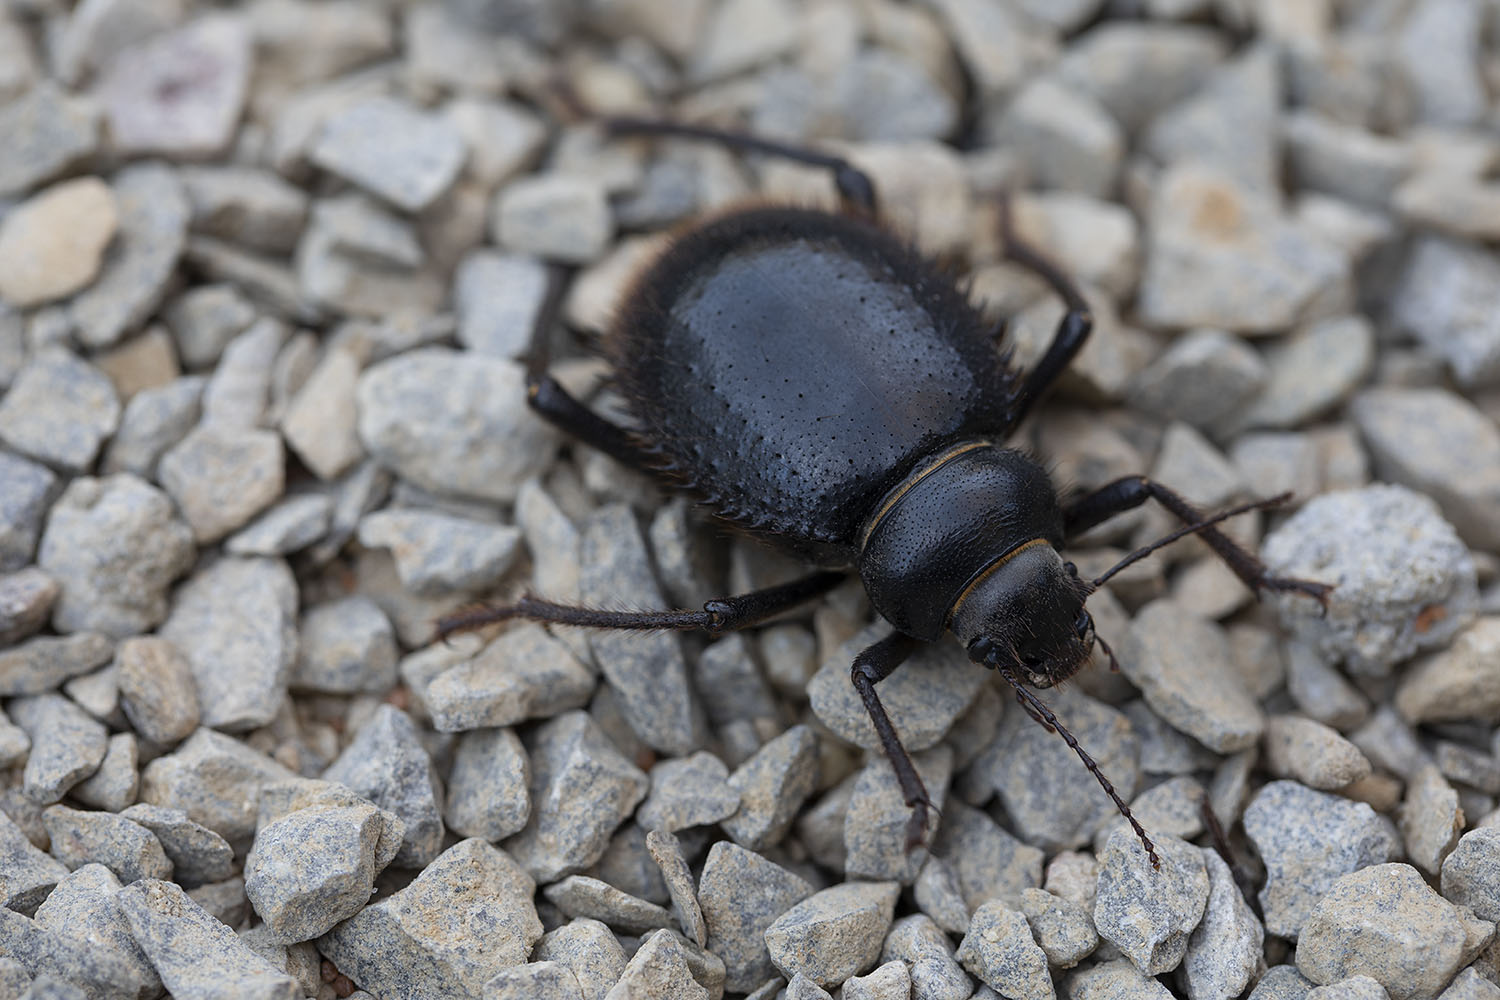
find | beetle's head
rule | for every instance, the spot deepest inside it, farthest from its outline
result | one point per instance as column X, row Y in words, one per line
column 1027, row 615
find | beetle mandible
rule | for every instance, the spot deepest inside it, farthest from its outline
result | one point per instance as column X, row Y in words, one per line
column 815, row 380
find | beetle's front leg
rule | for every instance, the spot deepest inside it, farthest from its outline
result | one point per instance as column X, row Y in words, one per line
column 872, row 666
column 1132, row 491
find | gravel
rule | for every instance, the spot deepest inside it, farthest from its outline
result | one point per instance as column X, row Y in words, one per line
column 267, row 283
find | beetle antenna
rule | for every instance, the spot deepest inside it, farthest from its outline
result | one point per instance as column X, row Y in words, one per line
column 1190, row 529
column 1038, row 710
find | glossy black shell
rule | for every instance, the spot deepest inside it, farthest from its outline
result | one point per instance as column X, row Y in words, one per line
column 789, row 366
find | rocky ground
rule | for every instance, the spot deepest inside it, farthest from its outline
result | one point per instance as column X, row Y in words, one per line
column 265, row 273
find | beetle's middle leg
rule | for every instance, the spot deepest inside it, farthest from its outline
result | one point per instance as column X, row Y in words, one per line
column 1132, row 491
column 872, row 666
column 1072, row 330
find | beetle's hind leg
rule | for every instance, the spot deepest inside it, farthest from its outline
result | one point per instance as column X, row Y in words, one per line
column 872, row 666
column 856, row 190
column 555, row 404
column 726, row 614
column 1072, row 330
column 1132, row 491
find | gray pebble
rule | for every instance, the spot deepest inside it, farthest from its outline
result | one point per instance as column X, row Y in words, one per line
column 14, row 743
column 498, row 298
column 59, row 410
column 1466, row 766
column 1181, row 664
column 504, row 137
column 1149, row 914
column 198, row 855
column 488, row 785
column 320, row 420
column 215, row 780
column 301, row 961
column 589, row 949
column 225, row 901
column 1164, row 750
column 1311, row 372
column 1067, row 140
column 1229, row 123
column 316, row 854
column 50, row 132
column 1227, row 947
column 288, row 526
column 690, row 791
column 466, row 917
column 581, row 790
column 772, row 785
column 203, row 321
column 1385, row 922
column 659, row 969
column 1430, row 819
column 155, row 419
column 1063, row 929
column 117, row 781
column 539, row 980
column 891, row 981
column 1353, row 988
column 939, row 897
column 875, row 826
column 1320, row 690
column 731, row 684
column 114, row 545
column 1344, row 159
column 666, row 851
column 800, row 988
column 1471, row 873
column 1201, row 379
column 453, row 423
column 835, row 933
column 157, row 691
column 246, row 205
column 392, row 149
column 524, row 673
column 988, row 862
column 147, row 111
column 97, row 693
column 235, row 621
column 647, row 671
column 742, row 894
column 196, row 955
column 918, row 944
column 26, row 599
column 27, row 875
column 1437, row 45
column 1308, row 839
column 238, row 391
column 1436, row 442
column 1440, row 297
column 222, row 476
column 1471, row 985
column 153, row 229
column 1454, row 683
column 1210, row 261
column 95, row 944
column 437, row 554
column 999, row 950
column 1115, row 980
column 1054, row 801
column 924, row 698
column 66, row 744
column 1282, row 982
column 560, row 217
column 1312, row 753
column 1139, row 68
column 582, row 896
column 1391, row 743
column 387, row 764
column 26, row 489
column 128, row 849
column 345, row 646
column 1391, row 559
column 43, row 663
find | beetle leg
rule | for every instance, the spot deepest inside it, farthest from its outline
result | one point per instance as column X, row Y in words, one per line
column 555, row 404
column 1072, row 330
column 871, row 667
column 1132, row 491
column 718, row 616
column 856, row 190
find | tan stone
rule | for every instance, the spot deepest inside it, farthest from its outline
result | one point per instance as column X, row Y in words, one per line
column 52, row 245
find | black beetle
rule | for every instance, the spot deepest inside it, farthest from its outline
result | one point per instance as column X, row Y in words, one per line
column 813, row 379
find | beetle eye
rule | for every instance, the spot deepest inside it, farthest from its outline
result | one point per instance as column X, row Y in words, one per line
column 1072, row 568
column 1083, row 625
